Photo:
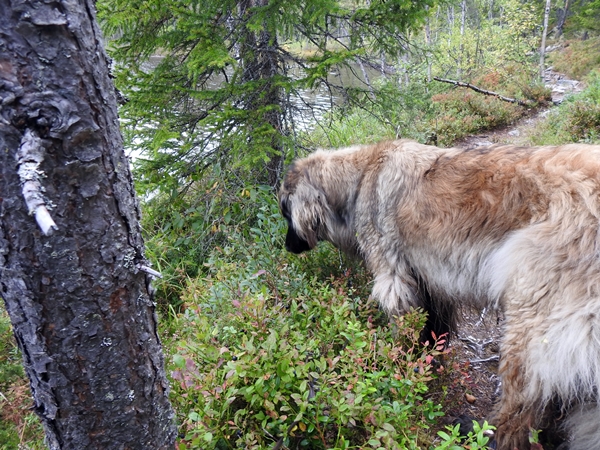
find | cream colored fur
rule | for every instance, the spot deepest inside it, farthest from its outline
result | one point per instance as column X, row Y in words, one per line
column 512, row 228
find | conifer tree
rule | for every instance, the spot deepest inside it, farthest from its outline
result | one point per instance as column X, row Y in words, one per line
column 212, row 82
column 589, row 15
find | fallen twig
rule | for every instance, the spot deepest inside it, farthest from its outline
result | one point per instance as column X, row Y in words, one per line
column 482, row 360
column 524, row 103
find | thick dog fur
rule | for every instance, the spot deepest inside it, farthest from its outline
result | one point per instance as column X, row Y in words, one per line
column 517, row 229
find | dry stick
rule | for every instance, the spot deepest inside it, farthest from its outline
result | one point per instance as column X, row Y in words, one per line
column 149, row 271
column 29, row 158
column 483, row 91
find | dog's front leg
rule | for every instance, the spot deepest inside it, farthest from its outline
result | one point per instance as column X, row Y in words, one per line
column 394, row 289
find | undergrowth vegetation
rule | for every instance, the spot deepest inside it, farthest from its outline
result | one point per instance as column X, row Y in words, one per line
column 578, row 58
column 577, row 119
column 277, row 351
column 434, row 112
column 184, row 229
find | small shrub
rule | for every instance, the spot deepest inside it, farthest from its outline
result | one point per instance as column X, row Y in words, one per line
column 314, row 376
column 537, row 93
column 475, row 440
column 578, row 58
column 462, row 113
column 264, row 353
column 584, row 121
column 577, row 119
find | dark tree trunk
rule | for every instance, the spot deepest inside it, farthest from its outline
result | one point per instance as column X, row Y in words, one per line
column 260, row 59
column 562, row 18
column 72, row 269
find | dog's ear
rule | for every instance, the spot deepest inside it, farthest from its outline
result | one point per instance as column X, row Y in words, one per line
column 310, row 211
column 311, row 232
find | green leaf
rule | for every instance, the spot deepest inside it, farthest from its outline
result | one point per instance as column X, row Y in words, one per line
column 179, row 361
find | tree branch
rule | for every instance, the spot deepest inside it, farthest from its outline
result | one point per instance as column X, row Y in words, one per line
column 524, row 103
column 149, row 271
column 29, row 157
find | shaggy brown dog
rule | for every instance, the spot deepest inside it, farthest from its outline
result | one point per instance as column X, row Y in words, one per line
column 516, row 229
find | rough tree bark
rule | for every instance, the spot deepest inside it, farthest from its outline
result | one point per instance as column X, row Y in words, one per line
column 72, row 269
column 260, row 59
column 562, row 18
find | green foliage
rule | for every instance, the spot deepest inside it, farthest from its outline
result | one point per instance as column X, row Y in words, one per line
column 492, row 35
column 577, row 119
column 209, row 82
column 434, row 113
column 264, row 351
column 578, row 58
column 587, row 16
column 182, row 231
column 475, row 440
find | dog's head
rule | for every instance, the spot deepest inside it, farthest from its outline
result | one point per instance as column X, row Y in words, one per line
column 304, row 206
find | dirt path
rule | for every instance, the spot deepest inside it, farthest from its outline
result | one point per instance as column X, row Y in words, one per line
column 471, row 377
column 518, row 133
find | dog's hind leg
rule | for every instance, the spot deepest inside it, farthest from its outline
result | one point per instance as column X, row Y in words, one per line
column 544, row 359
column 516, row 413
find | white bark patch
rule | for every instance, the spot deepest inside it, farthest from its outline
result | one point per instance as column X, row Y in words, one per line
column 29, row 157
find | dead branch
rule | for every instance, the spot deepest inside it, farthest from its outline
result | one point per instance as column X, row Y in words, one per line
column 29, row 158
column 524, row 103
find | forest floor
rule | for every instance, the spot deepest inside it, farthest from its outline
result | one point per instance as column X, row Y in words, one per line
column 519, row 132
column 472, row 384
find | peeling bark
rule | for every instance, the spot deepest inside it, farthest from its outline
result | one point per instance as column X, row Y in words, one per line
column 80, row 305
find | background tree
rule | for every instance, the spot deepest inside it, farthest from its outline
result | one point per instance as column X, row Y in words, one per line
column 488, row 37
column 544, row 34
column 561, row 18
column 223, row 74
column 72, row 265
column 588, row 15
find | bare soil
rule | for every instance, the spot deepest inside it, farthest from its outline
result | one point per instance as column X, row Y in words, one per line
column 471, row 377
